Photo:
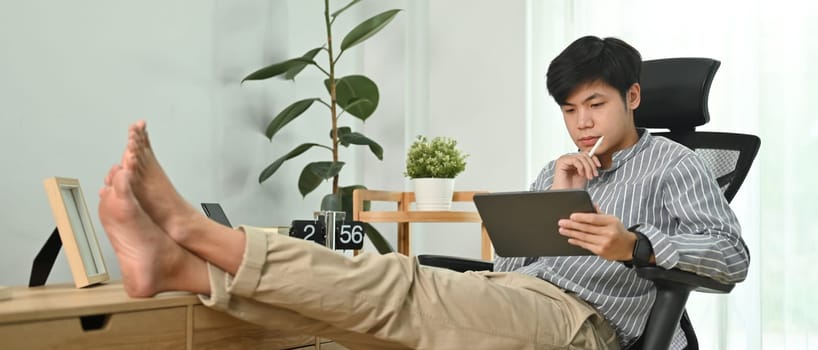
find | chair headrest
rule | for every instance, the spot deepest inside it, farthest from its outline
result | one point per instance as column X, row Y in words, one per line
column 674, row 93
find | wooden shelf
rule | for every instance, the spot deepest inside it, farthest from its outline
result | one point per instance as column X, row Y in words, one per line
column 403, row 216
column 419, row 216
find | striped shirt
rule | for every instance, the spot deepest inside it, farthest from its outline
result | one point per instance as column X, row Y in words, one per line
column 666, row 189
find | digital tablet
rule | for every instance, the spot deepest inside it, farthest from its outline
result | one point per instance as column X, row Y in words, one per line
column 524, row 224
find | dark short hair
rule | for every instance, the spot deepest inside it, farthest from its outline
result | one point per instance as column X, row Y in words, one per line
column 590, row 59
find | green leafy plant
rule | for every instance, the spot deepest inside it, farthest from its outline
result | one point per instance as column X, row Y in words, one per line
column 354, row 95
column 438, row 158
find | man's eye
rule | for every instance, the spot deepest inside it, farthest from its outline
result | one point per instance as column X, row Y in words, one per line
column 597, row 105
column 568, row 110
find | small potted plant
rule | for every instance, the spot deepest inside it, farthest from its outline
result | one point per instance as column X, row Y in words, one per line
column 432, row 166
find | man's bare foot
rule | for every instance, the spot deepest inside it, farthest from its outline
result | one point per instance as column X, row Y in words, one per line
column 150, row 261
column 153, row 188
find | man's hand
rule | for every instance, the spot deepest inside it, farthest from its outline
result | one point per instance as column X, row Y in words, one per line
column 573, row 171
column 602, row 234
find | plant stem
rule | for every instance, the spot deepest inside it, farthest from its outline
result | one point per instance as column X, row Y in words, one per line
column 324, row 103
column 339, row 56
column 333, row 102
column 322, row 70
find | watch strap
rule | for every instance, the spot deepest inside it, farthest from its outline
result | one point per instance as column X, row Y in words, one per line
column 642, row 250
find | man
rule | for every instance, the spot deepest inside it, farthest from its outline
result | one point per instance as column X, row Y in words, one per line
column 660, row 190
column 657, row 188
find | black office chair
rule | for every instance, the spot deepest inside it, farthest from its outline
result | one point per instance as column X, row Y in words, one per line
column 674, row 97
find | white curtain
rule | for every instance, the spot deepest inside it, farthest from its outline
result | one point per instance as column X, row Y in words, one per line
column 767, row 84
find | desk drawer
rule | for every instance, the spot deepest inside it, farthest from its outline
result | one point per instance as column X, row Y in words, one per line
column 218, row 330
column 153, row 329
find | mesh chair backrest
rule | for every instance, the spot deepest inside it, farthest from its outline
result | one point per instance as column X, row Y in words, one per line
column 728, row 155
column 722, row 163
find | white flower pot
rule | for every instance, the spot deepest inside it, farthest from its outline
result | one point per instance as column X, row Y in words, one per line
column 433, row 194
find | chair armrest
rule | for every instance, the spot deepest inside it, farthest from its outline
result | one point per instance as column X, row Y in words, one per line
column 682, row 279
column 455, row 263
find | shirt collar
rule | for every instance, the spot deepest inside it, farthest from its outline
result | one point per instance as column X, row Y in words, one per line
column 622, row 156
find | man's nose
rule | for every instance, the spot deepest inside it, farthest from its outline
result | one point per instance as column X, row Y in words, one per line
column 584, row 119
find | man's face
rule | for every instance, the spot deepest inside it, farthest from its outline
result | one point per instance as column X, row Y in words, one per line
column 596, row 109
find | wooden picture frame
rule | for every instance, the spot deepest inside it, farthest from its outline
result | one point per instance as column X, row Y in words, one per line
column 77, row 233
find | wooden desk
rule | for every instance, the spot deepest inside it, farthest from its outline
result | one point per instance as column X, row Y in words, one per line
column 104, row 317
column 403, row 216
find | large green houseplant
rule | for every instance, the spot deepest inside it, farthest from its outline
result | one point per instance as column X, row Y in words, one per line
column 354, row 95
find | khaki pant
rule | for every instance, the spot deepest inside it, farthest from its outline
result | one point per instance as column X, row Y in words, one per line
column 391, row 302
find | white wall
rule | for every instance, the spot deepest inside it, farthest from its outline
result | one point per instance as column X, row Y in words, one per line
column 476, row 84
column 74, row 74
column 463, row 76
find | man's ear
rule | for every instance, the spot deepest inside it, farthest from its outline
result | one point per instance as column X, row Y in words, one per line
column 634, row 96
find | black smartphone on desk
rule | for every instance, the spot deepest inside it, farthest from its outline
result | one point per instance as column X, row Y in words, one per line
column 214, row 212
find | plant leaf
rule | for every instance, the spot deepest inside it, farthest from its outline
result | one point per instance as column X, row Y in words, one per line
column 310, row 55
column 278, row 68
column 287, row 115
column 336, row 13
column 356, row 138
column 325, row 170
column 346, row 199
column 367, row 29
column 315, row 172
column 308, row 181
column 352, row 89
column 352, row 103
column 342, row 130
column 381, row 244
column 273, row 167
column 332, row 202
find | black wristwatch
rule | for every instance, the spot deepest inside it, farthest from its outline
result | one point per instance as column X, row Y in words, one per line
column 642, row 249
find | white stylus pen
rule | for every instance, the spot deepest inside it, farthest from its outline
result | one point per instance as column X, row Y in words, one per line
column 593, row 149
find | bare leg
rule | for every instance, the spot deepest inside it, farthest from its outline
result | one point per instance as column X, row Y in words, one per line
column 222, row 246
column 150, row 261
